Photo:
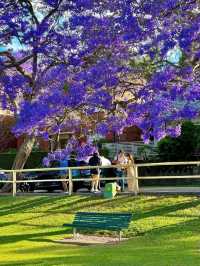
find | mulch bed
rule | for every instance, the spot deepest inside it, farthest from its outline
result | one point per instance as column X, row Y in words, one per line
column 91, row 240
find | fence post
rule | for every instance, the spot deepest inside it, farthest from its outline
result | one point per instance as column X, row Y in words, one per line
column 99, row 181
column 14, row 185
column 70, row 182
column 135, row 180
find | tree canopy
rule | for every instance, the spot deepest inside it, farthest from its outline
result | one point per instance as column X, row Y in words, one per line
column 80, row 58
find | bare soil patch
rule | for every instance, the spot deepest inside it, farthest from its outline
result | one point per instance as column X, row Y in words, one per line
column 91, row 240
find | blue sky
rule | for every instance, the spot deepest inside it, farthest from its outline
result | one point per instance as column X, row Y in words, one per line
column 15, row 45
column 174, row 55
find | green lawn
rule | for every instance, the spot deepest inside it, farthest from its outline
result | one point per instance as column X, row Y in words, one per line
column 164, row 231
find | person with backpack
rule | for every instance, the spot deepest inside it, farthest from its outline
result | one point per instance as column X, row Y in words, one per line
column 95, row 160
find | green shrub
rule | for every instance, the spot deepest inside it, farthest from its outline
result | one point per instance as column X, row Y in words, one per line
column 181, row 148
column 104, row 152
column 34, row 161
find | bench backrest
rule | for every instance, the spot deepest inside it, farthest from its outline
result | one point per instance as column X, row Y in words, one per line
column 109, row 221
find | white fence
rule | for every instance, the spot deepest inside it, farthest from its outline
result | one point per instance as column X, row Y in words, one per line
column 137, row 148
column 69, row 178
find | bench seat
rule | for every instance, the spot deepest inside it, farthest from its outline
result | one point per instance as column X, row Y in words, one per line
column 104, row 221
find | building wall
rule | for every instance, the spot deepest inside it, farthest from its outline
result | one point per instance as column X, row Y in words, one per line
column 129, row 134
column 7, row 138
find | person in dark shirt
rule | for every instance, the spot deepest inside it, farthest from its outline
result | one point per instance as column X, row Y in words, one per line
column 72, row 162
column 95, row 160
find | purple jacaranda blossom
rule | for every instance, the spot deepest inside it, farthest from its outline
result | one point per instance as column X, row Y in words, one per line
column 76, row 61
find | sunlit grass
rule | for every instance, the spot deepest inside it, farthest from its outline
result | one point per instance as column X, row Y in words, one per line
column 164, row 231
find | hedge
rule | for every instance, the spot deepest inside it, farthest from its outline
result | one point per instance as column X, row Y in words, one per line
column 34, row 160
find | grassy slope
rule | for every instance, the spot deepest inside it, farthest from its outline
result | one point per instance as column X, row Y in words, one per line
column 164, row 231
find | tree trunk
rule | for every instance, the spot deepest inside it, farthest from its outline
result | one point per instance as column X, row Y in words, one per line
column 24, row 152
column 21, row 157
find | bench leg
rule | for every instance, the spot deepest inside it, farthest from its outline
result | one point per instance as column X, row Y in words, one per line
column 74, row 233
column 120, row 235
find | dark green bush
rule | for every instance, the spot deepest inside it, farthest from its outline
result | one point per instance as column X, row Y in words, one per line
column 34, row 161
column 181, row 148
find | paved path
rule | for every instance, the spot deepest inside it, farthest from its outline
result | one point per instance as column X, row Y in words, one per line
column 170, row 190
column 143, row 190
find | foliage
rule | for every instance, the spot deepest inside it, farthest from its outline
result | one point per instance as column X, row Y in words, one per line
column 11, row 151
column 165, row 229
column 104, row 152
column 181, row 148
column 103, row 140
column 34, row 160
column 197, row 137
column 73, row 63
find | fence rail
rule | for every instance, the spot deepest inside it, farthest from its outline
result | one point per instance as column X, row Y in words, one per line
column 69, row 174
column 169, row 163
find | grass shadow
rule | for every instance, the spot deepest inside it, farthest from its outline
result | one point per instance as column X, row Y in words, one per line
column 6, row 239
column 161, row 211
column 25, row 206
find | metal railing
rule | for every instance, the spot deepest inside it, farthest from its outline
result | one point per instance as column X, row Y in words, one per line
column 69, row 176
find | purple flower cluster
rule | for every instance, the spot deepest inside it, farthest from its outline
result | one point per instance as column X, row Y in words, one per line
column 82, row 151
column 69, row 73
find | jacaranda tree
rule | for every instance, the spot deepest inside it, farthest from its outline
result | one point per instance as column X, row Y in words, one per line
column 77, row 59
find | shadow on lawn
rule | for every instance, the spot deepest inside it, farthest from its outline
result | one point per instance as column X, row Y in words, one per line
column 7, row 224
column 73, row 204
column 6, row 239
column 123, row 254
column 171, row 232
column 91, row 202
column 166, row 209
column 70, row 206
column 81, row 204
column 26, row 205
column 181, row 228
column 67, row 206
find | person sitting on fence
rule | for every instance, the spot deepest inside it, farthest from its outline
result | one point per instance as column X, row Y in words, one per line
column 94, row 161
column 120, row 172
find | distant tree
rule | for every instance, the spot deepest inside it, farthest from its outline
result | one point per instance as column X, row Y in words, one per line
column 181, row 148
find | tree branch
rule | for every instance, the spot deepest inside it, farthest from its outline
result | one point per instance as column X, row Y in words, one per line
column 7, row 64
column 15, row 64
column 52, row 11
column 30, row 8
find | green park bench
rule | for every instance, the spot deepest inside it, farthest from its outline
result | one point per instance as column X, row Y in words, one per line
column 101, row 221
